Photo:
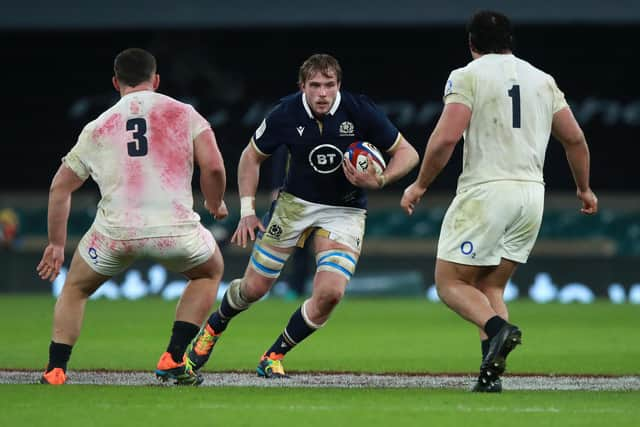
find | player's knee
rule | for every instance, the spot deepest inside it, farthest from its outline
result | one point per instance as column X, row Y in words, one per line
column 218, row 266
column 237, row 297
column 337, row 261
column 255, row 288
column 267, row 262
column 441, row 289
column 331, row 297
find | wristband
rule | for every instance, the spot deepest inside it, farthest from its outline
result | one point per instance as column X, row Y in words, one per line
column 246, row 206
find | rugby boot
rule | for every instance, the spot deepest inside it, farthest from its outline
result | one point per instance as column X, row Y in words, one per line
column 507, row 338
column 180, row 373
column 201, row 347
column 487, row 383
column 55, row 376
column 271, row 366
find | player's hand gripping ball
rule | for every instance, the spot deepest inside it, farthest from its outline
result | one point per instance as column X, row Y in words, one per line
column 357, row 154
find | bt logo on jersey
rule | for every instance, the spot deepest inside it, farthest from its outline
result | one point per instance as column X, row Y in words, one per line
column 325, row 158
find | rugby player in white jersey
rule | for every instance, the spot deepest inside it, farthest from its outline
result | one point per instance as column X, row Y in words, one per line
column 141, row 153
column 323, row 197
column 506, row 110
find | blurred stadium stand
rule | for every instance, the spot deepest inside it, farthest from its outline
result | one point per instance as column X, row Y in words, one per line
column 234, row 62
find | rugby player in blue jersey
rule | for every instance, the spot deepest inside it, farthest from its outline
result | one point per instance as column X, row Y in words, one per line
column 323, row 198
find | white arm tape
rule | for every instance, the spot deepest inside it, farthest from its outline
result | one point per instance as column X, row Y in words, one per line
column 246, row 206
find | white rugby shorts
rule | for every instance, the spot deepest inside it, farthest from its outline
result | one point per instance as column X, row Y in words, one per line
column 490, row 221
column 293, row 220
column 109, row 257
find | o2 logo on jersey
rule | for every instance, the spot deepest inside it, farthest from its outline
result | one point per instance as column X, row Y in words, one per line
column 325, row 158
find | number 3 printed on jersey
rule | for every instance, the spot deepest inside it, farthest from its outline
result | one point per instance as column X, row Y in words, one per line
column 139, row 146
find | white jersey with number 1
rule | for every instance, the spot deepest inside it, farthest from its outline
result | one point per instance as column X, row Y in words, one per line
column 140, row 153
column 512, row 105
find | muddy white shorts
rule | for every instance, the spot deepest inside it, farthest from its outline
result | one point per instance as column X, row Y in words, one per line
column 292, row 220
column 108, row 256
column 490, row 221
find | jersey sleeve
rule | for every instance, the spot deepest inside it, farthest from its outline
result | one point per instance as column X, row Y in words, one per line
column 459, row 88
column 267, row 138
column 197, row 123
column 378, row 128
column 78, row 158
column 559, row 102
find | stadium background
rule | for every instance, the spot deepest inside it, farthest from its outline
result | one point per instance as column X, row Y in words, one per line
column 233, row 63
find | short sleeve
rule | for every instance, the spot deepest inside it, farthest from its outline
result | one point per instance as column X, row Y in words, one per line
column 266, row 139
column 197, row 123
column 459, row 88
column 378, row 128
column 559, row 102
column 78, row 158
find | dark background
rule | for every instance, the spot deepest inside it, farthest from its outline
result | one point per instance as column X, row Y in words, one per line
column 55, row 81
column 233, row 60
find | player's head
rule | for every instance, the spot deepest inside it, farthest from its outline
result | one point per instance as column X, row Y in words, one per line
column 490, row 32
column 319, row 78
column 133, row 67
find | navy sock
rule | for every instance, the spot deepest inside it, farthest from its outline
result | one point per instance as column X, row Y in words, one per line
column 493, row 325
column 181, row 336
column 59, row 355
column 296, row 331
column 220, row 318
column 484, row 344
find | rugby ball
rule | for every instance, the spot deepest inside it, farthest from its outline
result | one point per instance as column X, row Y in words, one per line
column 357, row 154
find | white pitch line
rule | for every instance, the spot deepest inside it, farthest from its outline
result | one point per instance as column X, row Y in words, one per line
column 342, row 380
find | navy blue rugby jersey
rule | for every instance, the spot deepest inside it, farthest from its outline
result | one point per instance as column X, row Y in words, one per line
column 317, row 146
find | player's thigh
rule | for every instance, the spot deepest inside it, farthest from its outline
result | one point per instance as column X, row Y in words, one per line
column 82, row 277
column 520, row 236
column 473, row 228
column 450, row 273
column 335, row 265
column 496, row 278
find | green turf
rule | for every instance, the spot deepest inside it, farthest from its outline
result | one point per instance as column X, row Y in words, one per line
column 390, row 335
column 153, row 406
column 380, row 335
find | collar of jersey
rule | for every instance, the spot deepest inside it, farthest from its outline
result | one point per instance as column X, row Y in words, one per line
column 332, row 111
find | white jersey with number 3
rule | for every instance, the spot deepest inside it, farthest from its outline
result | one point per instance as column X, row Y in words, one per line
column 512, row 105
column 140, row 153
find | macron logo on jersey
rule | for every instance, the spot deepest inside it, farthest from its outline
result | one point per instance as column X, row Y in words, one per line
column 300, row 130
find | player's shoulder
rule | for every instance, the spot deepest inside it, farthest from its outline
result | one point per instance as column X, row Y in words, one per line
column 461, row 76
column 286, row 108
column 355, row 102
column 534, row 71
column 168, row 100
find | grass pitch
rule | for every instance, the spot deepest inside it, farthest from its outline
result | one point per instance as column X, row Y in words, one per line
column 377, row 336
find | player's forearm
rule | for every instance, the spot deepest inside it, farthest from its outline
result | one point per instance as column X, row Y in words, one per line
column 403, row 160
column 58, row 215
column 212, row 185
column 436, row 157
column 578, row 158
column 248, row 174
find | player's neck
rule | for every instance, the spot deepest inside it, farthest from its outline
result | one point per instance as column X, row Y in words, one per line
column 139, row 88
column 476, row 55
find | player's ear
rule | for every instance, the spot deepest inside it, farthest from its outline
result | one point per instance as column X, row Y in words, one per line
column 156, row 81
column 115, row 83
